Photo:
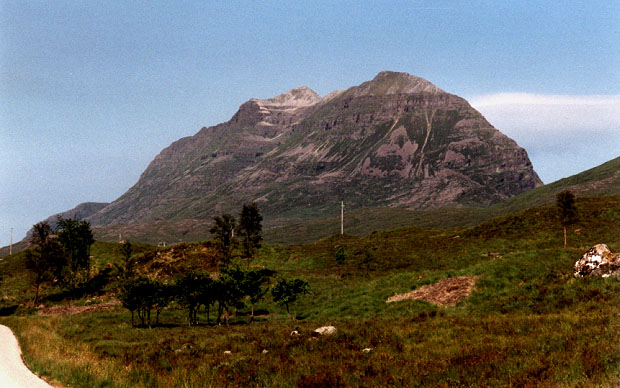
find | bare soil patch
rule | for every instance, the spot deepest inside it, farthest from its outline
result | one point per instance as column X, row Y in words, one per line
column 63, row 310
column 446, row 292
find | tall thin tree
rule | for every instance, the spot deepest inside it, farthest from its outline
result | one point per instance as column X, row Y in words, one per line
column 567, row 211
column 224, row 231
column 250, row 230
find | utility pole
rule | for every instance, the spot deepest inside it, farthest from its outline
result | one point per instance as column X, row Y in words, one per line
column 341, row 217
column 11, row 243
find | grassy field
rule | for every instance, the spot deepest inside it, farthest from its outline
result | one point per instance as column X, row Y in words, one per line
column 528, row 322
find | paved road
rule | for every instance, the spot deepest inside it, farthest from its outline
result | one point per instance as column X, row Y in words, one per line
column 13, row 372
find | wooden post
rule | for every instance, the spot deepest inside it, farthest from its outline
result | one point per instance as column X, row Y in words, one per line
column 341, row 217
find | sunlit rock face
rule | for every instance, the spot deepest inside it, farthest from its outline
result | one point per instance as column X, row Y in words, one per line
column 598, row 261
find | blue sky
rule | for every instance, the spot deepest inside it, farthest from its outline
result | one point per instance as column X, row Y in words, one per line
column 91, row 92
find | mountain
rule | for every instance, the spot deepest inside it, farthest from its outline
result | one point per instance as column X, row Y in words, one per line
column 82, row 211
column 397, row 141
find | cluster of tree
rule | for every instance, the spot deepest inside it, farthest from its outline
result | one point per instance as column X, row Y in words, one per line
column 61, row 256
column 143, row 295
column 247, row 234
column 232, row 288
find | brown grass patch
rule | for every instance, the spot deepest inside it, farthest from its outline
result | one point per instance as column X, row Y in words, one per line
column 446, row 292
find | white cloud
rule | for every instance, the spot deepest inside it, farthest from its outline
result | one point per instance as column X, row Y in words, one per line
column 563, row 134
column 535, row 112
column 544, row 99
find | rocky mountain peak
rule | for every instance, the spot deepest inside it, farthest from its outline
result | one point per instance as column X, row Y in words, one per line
column 391, row 82
column 282, row 111
column 295, row 98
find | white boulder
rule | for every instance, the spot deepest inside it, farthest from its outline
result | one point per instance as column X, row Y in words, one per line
column 598, row 261
column 325, row 330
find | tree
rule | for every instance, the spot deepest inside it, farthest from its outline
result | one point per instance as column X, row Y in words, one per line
column 41, row 233
column 126, row 270
column 76, row 238
column 567, row 211
column 130, row 297
column 229, row 292
column 224, row 231
column 208, row 295
column 287, row 292
column 190, row 294
column 46, row 258
column 250, row 230
column 162, row 298
column 340, row 257
column 366, row 260
column 253, row 283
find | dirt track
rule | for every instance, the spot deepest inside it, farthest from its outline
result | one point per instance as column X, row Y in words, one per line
column 64, row 309
column 13, row 371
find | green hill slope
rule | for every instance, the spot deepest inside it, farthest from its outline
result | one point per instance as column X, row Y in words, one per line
column 597, row 181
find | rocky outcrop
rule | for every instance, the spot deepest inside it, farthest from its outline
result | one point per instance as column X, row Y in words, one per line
column 598, row 261
column 397, row 140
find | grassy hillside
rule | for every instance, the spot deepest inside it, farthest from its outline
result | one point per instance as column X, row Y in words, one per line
column 528, row 322
column 598, row 181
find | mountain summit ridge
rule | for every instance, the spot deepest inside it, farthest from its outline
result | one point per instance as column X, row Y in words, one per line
column 391, row 82
column 396, row 140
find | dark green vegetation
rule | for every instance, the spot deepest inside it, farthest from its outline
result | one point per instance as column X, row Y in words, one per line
column 63, row 258
column 528, row 322
column 287, row 292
